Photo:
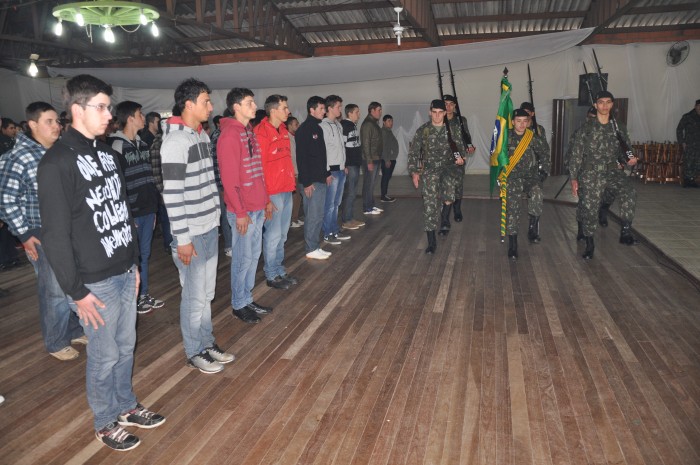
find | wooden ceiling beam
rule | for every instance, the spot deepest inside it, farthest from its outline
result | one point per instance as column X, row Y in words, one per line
column 420, row 17
column 305, row 10
column 651, row 10
column 603, row 12
column 510, row 17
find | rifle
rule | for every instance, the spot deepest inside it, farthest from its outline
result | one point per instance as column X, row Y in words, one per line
column 535, row 128
column 466, row 137
column 450, row 140
column 626, row 152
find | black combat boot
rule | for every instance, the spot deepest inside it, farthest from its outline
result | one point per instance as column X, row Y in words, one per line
column 533, row 231
column 603, row 214
column 458, row 210
column 445, row 223
column 513, row 246
column 626, row 236
column 432, row 242
column 579, row 235
column 590, row 247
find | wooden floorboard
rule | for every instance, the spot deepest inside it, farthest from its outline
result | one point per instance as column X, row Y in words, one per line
column 383, row 355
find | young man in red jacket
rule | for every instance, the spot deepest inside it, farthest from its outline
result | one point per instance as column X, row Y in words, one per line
column 278, row 170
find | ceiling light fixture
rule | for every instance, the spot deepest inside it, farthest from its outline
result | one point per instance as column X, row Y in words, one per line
column 33, row 70
column 106, row 14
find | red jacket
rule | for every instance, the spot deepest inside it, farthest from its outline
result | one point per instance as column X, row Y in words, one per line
column 277, row 157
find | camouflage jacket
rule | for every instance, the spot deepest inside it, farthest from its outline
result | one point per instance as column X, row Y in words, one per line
column 688, row 130
column 430, row 145
column 595, row 148
column 535, row 158
column 457, row 132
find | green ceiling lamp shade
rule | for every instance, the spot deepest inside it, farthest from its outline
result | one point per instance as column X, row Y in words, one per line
column 106, row 14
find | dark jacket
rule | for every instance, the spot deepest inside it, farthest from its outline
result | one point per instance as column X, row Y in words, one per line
column 135, row 160
column 353, row 150
column 87, row 230
column 371, row 139
column 311, row 152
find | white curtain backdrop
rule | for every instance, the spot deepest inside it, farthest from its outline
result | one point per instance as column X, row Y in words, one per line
column 405, row 82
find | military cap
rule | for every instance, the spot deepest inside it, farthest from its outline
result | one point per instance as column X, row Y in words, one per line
column 449, row 98
column 437, row 104
column 519, row 112
column 527, row 106
column 604, row 94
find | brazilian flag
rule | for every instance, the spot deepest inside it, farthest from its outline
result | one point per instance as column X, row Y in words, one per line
column 499, row 139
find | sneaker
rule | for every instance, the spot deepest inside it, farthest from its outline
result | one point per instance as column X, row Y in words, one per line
column 65, row 354
column 373, row 212
column 228, row 252
column 148, row 300
column 141, row 417
column 327, row 254
column 219, row 355
column 358, row 223
column 377, row 209
column 331, row 239
column 317, row 254
column 2, row 399
column 388, row 199
column 297, row 224
column 80, row 340
column 117, row 438
column 205, row 363
column 290, row 279
column 341, row 237
column 350, row 225
column 247, row 315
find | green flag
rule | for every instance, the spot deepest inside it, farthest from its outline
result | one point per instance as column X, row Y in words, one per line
column 499, row 139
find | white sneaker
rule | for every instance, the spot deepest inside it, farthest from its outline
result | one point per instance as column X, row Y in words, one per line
column 2, row 399
column 341, row 237
column 327, row 254
column 317, row 255
column 228, row 252
column 373, row 212
column 377, row 209
column 297, row 224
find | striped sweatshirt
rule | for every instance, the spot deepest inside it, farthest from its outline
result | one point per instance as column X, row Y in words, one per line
column 189, row 189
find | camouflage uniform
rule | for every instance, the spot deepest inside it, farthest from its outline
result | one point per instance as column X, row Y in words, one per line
column 525, row 177
column 459, row 169
column 688, row 132
column 439, row 181
column 594, row 164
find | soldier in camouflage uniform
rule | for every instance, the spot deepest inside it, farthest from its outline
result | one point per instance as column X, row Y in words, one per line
column 527, row 176
column 530, row 109
column 594, row 166
column 688, row 133
column 456, row 128
column 431, row 159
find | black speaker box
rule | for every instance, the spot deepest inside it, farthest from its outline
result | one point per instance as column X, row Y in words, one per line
column 594, row 82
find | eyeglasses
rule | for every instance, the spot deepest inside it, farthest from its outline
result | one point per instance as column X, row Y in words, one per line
column 101, row 107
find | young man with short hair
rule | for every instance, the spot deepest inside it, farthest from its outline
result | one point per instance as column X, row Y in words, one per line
column 151, row 129
column 273, row 137
column 247, row 202
column 135, row 161
column 192, row 200
column 353, row 162
column 335, row 162
column 88, row 235
column 298, row 195
column 371, row 142
column 19, row 208
column 390, row 151
column 8, row 132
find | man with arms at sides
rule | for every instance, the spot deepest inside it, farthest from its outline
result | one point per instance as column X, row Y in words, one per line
column 456, row 127
column 192, row 200
column 19, row 208
column 390, row 151
column 247, row 202
column 353, row 161
column 278, row 170
column 89, row 238
column 371, row 142
column 298, row 195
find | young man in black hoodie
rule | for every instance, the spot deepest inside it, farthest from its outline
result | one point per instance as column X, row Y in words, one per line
column 88, row 235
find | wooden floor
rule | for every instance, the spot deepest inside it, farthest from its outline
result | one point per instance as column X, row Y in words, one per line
column 384, row 355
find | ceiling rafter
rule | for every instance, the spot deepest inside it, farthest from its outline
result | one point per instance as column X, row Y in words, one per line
column 511, row 17
column 420, row 17
column 604, row 12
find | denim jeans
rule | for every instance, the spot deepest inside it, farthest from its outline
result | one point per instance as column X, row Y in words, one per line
column 313, row 216
column 275, row 235
column 386, row 176
column 59, row 324
column 110, row 353
column 144, row 231
column 198, row 281
column 246, row 253
column 164, row 226
column 350, row 192
column 370, row 179
column 334, row 195
column 223, row 222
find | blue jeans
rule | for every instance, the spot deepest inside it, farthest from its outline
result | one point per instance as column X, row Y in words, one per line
column 198, row 281
column 275, row 235
column 334, row 195
column 223, row 222
column 165, row 225
column 350, row 192
column 59, row 324
column 313, row 216
column 144, row 231
column 246, row 253
column 110, row 353
column 370, row 178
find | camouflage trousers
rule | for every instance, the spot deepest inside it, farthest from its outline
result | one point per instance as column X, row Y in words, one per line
column 592, row 184
column 438, row 188
column 514, row 193
column 607, row 199
column 459, row 180
column 691, row 162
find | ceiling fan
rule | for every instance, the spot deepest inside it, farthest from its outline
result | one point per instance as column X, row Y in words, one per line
column 398, row 28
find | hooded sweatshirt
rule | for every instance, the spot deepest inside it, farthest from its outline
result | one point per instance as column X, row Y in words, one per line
column 189, row 189
column 275, row 146
column 335, row 144
column 311, row 152
column 135, row 160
